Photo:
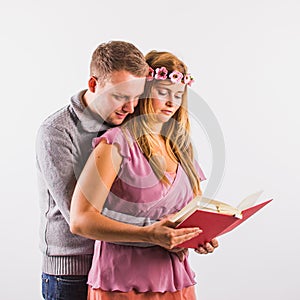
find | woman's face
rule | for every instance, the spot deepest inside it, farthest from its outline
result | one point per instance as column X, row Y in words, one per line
column 166, row 98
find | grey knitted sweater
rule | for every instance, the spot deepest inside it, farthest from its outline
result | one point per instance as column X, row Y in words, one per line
column 64, row 142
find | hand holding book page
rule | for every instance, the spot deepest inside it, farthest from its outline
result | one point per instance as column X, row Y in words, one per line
column 214, row 217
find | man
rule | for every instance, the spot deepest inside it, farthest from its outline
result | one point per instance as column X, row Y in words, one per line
column 64, row 142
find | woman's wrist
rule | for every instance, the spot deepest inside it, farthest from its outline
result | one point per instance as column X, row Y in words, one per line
column 145, row 234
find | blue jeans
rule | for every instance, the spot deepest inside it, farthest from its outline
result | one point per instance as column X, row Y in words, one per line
column 64, row 287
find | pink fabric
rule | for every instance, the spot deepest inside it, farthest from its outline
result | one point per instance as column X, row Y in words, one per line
column 123, row 268
column 184, row 294
column 138, row 197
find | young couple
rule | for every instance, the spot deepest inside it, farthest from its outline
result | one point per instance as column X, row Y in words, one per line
column 121, row 190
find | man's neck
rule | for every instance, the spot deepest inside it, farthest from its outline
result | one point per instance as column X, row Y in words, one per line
column 87, row 98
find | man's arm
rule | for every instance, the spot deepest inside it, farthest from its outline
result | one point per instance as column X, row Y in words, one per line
column 56, row 165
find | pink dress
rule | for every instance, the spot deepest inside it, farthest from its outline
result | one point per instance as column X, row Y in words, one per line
column 138, row 197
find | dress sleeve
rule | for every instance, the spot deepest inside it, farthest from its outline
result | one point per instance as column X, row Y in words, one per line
column 115, row 136
column 200, row 172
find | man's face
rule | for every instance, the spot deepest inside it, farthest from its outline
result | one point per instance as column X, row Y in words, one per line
column 118, row 97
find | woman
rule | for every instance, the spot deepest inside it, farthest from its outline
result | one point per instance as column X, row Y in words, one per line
column 137, row 175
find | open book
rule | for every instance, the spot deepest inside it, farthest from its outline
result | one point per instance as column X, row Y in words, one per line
column 214, row 217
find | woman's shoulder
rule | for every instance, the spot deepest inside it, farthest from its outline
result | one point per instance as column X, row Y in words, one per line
column 115, row 136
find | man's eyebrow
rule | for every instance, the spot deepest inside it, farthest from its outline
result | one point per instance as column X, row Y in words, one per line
column 119, row 94
column 124, row 95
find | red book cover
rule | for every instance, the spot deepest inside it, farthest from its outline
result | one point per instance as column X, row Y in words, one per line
column 214, row 224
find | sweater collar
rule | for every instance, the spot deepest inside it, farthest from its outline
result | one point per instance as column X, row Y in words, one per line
column 89, row 121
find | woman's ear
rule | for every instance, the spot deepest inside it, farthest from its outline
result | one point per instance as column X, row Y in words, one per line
column 92, row 84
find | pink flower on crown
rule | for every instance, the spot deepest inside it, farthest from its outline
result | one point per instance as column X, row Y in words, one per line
column 176, row 76
column 150, row 75
column 188, row 79
column 161, row 73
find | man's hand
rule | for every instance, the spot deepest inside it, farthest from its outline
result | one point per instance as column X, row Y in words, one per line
column 208, row 247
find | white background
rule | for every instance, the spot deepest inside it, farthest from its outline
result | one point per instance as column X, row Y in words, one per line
column 244, row 56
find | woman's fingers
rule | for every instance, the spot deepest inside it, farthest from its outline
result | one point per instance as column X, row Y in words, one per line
column 186, row 234
column 164, row 234
column 178, row 236
column 214, row 243
column 208, row 247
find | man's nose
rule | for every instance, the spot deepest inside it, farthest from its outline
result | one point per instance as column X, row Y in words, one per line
column 129, row 106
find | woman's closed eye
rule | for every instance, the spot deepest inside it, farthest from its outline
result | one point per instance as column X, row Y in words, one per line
column 163, row 92
column 178, row 96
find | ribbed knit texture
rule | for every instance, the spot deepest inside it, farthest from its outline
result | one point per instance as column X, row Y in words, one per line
column 67, row 265
column 64, row 142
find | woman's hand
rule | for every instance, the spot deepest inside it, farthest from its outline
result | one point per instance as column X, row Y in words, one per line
column 208, row 247
column 164, row 234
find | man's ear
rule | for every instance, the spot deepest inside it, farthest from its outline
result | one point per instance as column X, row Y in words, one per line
column 92, row 84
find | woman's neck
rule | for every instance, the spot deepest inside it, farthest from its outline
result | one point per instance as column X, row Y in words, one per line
column 156, row 128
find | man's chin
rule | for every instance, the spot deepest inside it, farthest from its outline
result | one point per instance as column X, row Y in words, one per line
column 116, row 119
column 115, row 122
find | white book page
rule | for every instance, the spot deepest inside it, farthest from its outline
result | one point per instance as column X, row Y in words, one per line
column 249, row 201
column 190, row 208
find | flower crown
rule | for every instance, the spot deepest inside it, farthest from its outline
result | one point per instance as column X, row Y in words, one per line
column 175, row 76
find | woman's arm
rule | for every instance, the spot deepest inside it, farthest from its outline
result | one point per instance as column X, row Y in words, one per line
column 88, row 199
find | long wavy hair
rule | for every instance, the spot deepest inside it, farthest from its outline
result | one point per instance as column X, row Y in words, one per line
column 175, row 132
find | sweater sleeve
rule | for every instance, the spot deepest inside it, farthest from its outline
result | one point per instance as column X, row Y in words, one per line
column 56, row 166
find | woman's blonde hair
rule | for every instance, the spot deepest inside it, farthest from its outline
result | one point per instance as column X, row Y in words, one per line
column 175, row 132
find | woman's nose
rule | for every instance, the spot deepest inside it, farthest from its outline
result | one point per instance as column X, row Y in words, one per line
column 170, row 101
